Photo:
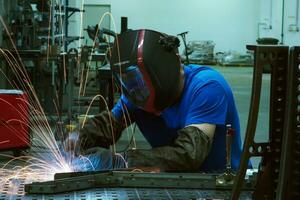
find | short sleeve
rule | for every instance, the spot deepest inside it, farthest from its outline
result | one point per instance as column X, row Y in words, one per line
column 208, row 104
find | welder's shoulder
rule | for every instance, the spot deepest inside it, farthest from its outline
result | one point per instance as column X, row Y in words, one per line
column 202, row 78
column 206, row 94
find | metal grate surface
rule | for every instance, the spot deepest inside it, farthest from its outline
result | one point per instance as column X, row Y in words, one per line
column 119, row 194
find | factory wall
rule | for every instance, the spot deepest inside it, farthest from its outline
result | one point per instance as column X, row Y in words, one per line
column 291, row 25
column 231, row 24
column 271, row 20
column 269, row 24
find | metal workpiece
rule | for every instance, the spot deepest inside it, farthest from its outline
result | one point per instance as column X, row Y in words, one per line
column 85, row 173
column 289, row 175
column 132, row 180
column 277, row 58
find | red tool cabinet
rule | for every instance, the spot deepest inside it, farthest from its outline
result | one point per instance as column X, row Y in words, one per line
column 14, row 120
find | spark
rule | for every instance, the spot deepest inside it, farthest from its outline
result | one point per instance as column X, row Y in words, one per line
column 4, row 141
column 47, row 156
column 82, row 87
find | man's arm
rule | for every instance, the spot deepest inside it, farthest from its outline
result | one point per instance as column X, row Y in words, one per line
column 101, row 130
column 105, row 128
column 188, row 152
column 207, row 109
column 208, row 129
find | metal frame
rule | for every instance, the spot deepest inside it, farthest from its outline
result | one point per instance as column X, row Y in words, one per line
column 289, row 176
column 277, row 57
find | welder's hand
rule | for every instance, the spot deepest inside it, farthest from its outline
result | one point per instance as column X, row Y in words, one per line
column 101, row 130
column 99, row 159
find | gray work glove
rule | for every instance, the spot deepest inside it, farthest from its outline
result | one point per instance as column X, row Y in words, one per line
column 187, row 153
column 102, row 130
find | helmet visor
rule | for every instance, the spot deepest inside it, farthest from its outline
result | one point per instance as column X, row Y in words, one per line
column 134, row 85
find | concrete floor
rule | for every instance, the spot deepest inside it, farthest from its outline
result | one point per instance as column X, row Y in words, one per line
column 240, row 80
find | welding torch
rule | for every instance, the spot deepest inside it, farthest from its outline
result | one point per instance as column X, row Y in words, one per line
column 228, row 176
column 229, row 135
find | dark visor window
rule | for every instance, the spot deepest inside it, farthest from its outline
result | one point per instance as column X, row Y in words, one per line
column 134, row 85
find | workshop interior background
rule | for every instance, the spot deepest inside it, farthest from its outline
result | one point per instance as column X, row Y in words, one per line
column 66, row 61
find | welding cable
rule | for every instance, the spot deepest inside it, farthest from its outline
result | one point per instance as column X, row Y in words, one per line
column 131, row 144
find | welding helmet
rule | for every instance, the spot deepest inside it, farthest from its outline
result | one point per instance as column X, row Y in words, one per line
column 147, row 66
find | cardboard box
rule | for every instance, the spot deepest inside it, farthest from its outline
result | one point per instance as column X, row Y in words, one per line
column 14, row 120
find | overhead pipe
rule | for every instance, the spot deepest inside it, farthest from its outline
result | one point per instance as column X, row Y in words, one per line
column 282, row 22
column 271, row 14
column 264, row 25
column 297, row 14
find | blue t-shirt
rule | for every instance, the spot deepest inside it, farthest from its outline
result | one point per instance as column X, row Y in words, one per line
column 206, row 98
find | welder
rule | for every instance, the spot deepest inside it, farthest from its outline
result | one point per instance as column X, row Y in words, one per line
column 182, row 111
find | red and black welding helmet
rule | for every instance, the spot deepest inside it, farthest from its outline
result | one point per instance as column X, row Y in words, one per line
column 147, row 66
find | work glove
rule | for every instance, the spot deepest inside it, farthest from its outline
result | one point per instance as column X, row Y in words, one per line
column 98, row 158
column 187, row 153
column 102, row 130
